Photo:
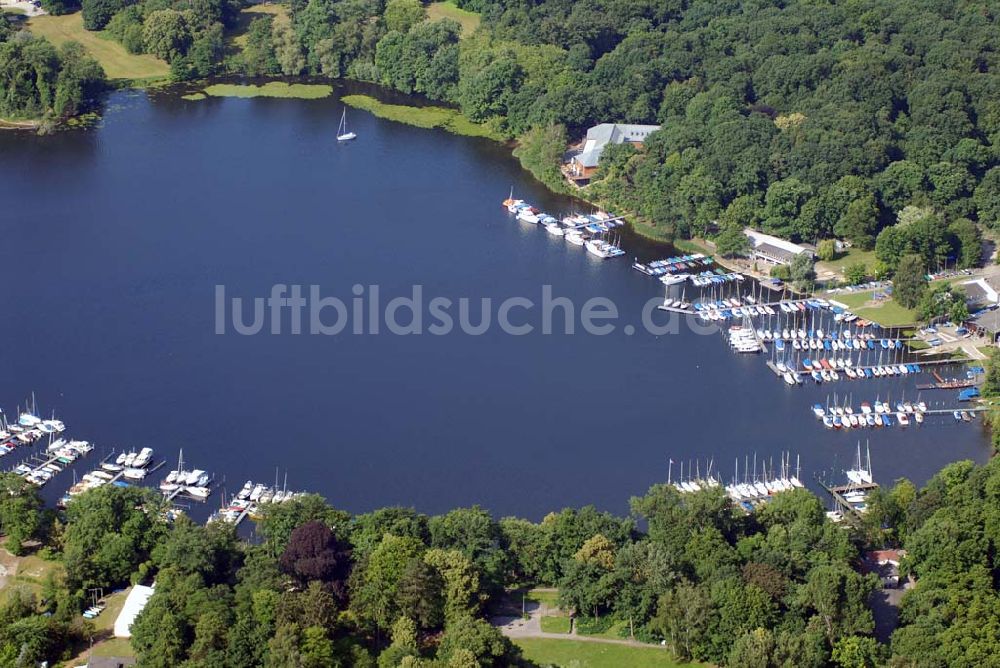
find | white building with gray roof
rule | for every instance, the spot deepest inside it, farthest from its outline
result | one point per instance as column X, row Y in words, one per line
column 598, row 137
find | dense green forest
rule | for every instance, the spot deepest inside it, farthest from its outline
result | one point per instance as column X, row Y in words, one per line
column 951, row 531
column 324, row 588
column 37, row 80
column 320, row 587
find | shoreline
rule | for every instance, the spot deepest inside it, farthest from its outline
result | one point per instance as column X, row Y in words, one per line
column 9, row 124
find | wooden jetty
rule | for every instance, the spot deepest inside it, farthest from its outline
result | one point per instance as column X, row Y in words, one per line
column 924, row 363
column 674, row 309
column 39, row 461
column 182, row 491
column 120, row 474
column 838, row 491
column 954, row 384
column 593, row 222
column 947, row 383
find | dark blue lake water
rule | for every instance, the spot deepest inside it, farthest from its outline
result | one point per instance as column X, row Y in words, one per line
column 115, row 238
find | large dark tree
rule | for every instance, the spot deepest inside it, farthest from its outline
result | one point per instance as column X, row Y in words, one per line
column 314, row 553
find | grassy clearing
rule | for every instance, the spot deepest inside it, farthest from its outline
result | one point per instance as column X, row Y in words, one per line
column 422, row 117
column 115, row 602
column 116, row 61
column 841, row 262
column 853, row 300
column 236, row 38
column 13, row 11
column 543, row 597
column 271, row 89
column 888, row 312
column 447, row 10
column 113, row 647
column 28, row 572
column 616, row 631
column 560, row 624
column 580, row 654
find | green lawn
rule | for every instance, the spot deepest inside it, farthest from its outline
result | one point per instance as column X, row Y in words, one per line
column 841, row 262
column 888, row 313
column 549, row 598
column 116, row 61
column 560, row 624
column 451, row 120
column 580, row 654
column 853, row 300
column 617, row 631
column 115, row 602
column 114, row 647
column 891, row 314
column 32, row 571
column 447, row 10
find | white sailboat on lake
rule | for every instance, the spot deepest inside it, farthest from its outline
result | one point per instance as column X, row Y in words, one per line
column 342, row 133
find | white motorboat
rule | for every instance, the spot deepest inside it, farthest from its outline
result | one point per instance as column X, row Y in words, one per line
column 142, row 459
column 198, row 492
column 529, row 214
column 598, row 248
column 674, row 279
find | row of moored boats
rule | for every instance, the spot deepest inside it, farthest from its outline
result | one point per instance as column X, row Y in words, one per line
column 587, row 230
column 126, row 466
column 28, row 429
column 249, row 499
column 59, row 455
column 881, row 414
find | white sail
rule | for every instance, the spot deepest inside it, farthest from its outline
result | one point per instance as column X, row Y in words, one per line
column 342, row 133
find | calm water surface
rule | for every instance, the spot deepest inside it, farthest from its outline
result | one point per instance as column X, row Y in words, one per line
column 115, row 238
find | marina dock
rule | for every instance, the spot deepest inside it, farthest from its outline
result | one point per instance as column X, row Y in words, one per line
column 773, row 367
column 675, row 309
column 182, row 492
column 838, row 492
column 42, row 463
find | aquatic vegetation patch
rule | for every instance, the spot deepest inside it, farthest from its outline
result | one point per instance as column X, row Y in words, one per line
column 194, row 96
column 451, row 120
column 271, row 89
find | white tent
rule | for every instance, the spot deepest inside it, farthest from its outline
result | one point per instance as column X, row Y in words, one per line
column 134, row 603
